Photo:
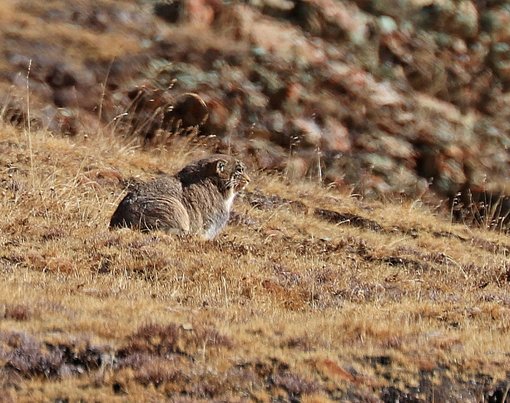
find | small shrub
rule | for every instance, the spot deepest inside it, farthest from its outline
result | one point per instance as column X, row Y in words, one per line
column 18, row 312
column 163, row 340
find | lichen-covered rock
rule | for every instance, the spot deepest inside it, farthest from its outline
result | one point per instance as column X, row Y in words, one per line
column 496, row 21
column 378, row 95
column 500, row 59
column 459, row 18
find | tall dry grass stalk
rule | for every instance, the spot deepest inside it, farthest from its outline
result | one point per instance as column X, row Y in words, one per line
column 28, row 132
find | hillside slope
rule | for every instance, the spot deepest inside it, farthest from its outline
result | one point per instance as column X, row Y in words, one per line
column 310, row 294
column 394, row 97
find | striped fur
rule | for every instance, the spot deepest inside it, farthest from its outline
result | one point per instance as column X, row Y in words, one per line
column 196, row 201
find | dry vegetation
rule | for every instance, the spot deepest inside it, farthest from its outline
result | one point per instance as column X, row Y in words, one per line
column 311, row 294
column 356, row 301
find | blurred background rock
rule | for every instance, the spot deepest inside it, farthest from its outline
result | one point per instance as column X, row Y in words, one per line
column 384, row 96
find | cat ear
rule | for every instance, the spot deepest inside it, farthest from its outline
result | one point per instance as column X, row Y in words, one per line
column 220, row 166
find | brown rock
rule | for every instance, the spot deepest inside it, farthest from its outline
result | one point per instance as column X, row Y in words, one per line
column 201, row 12
column 307, row 131
column 188, row 110
column 296, row 168
column 335, row 137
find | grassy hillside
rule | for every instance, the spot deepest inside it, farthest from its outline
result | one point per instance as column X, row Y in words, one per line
column 397, row 95
column 310, row 294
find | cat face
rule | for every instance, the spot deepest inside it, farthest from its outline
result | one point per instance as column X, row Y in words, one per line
column 232, row 173
column 226, row 171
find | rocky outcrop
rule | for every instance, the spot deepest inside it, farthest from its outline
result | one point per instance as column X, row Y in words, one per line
column 380, row 96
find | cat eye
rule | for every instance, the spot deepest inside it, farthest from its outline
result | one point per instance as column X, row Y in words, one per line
column 221, row 166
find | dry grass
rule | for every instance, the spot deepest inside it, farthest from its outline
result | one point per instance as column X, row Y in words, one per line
column 287, row 304
column 34, row 26
column 283, row 303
